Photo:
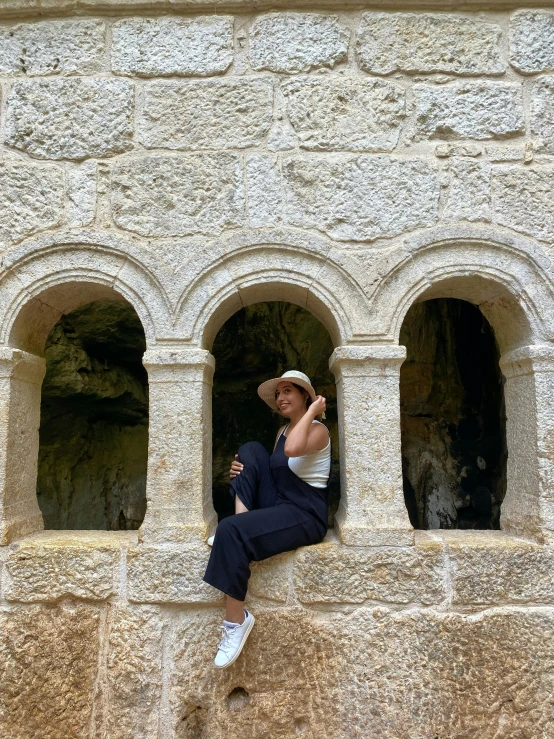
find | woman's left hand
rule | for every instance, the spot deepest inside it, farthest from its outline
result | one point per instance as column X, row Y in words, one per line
column 318, row 406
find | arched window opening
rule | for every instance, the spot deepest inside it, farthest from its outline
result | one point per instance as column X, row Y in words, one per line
column 258, row 342
column 452, row 417
column 94, row 420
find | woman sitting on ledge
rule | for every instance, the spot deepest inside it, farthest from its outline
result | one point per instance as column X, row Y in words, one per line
column 281, row 499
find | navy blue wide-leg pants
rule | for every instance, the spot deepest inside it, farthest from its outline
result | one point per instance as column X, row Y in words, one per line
column 283, row 514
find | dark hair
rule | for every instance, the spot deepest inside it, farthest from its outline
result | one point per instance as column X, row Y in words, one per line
column 303, row 390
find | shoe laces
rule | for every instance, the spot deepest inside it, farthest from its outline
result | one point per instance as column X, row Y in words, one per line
column 226, row 634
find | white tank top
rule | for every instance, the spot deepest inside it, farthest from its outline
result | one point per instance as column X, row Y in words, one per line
column 313, row 468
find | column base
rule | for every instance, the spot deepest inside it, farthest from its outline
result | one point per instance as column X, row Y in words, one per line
column 167, row 526
column 361, row 536
column 20, row 527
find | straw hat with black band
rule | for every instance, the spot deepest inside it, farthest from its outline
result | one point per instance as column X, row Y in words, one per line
column 267, row 389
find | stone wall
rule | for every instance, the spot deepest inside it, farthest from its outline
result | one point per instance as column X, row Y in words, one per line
column 353, row 163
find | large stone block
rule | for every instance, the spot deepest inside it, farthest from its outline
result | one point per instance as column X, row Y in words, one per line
column 333, row 574
column 532, row 41
column 177, row 196
column 477, row 110
column 297, row 42
column 48, row 566
column 71, row 118
column 490, row 568
column 542, row 112
column 134, row 674
column 264, row 191
column 406, row 42
column 284, row 684
column 360, row 197
column 153, row 47
column 52, row 47
column 31, row 199
column 207, row 114
column 523, row 199
column 468, row 191
column 344, row 113
column 421, row 674
column 82, row 182
column 48, row 669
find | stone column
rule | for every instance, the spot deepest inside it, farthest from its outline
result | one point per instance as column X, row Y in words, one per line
column 528, row 508
column 178, row 487
column 21, row 376
column 372, row 511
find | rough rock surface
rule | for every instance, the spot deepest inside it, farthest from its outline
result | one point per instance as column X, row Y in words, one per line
column 406, row 42
column 48, row 667
column 71, row 118
column 31, row 199
column 264, row 191
column 166, row 196
column 297, row 42
column 523, row 199
column 360, row 198
column 81, row 181
column 469, row 190
column 52, row 47
column 532, row 41
column 94, row 421
column 542, row 112
column 345, row 113
column 151, row 47
column 210, row 114
column 477, row 110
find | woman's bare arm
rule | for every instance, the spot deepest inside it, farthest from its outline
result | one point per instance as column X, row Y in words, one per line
column 307, row 437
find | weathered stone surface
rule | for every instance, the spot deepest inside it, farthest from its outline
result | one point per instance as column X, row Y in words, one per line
column 491, row 568
column 169, row 575
column 477, row 110
column 468, row 191
column 285, row 683
column 360, row 198
column 135, row 654
column 406, row 42
column 31, row 199
column 542, row 112
column 71, row 118
column 81, row 192
column 264, row 191
column 424, row 674
column 532, row 41
column 207, row 114
column 523, row 199
column 297, row 42
column 271, row 578
column 49, row 566
column 151, row 47
column 344, row 113
column 170, row 196
column 52, row 47
column 48, row 666
column 331, row 573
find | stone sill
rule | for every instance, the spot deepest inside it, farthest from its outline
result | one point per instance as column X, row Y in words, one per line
column 465, row 570
column 14, row 8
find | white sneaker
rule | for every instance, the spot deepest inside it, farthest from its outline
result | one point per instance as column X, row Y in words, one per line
column 233, row 639
column 210, row 540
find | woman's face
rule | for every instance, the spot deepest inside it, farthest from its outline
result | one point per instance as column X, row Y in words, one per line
column 290, row 400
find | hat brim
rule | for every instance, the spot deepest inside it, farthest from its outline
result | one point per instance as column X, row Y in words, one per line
column 267, row 389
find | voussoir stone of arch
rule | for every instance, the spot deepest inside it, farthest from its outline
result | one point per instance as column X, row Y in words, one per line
column 207, row 114
column 177, row 196
column 344, row 113
column 151, row 47
column 297, row 42
column 31, row 199
column 477, row 110
column 532, row 41
column 72, row 118
column 523, row 199
column 361, row 197
column 542, row 112
column 425, row 42
column 52, row 47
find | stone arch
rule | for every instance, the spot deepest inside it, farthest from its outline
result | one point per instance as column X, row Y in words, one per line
column 293, row 270
column 508, row 279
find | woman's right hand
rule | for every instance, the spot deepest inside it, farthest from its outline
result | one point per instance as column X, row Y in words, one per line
column 236, row 468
